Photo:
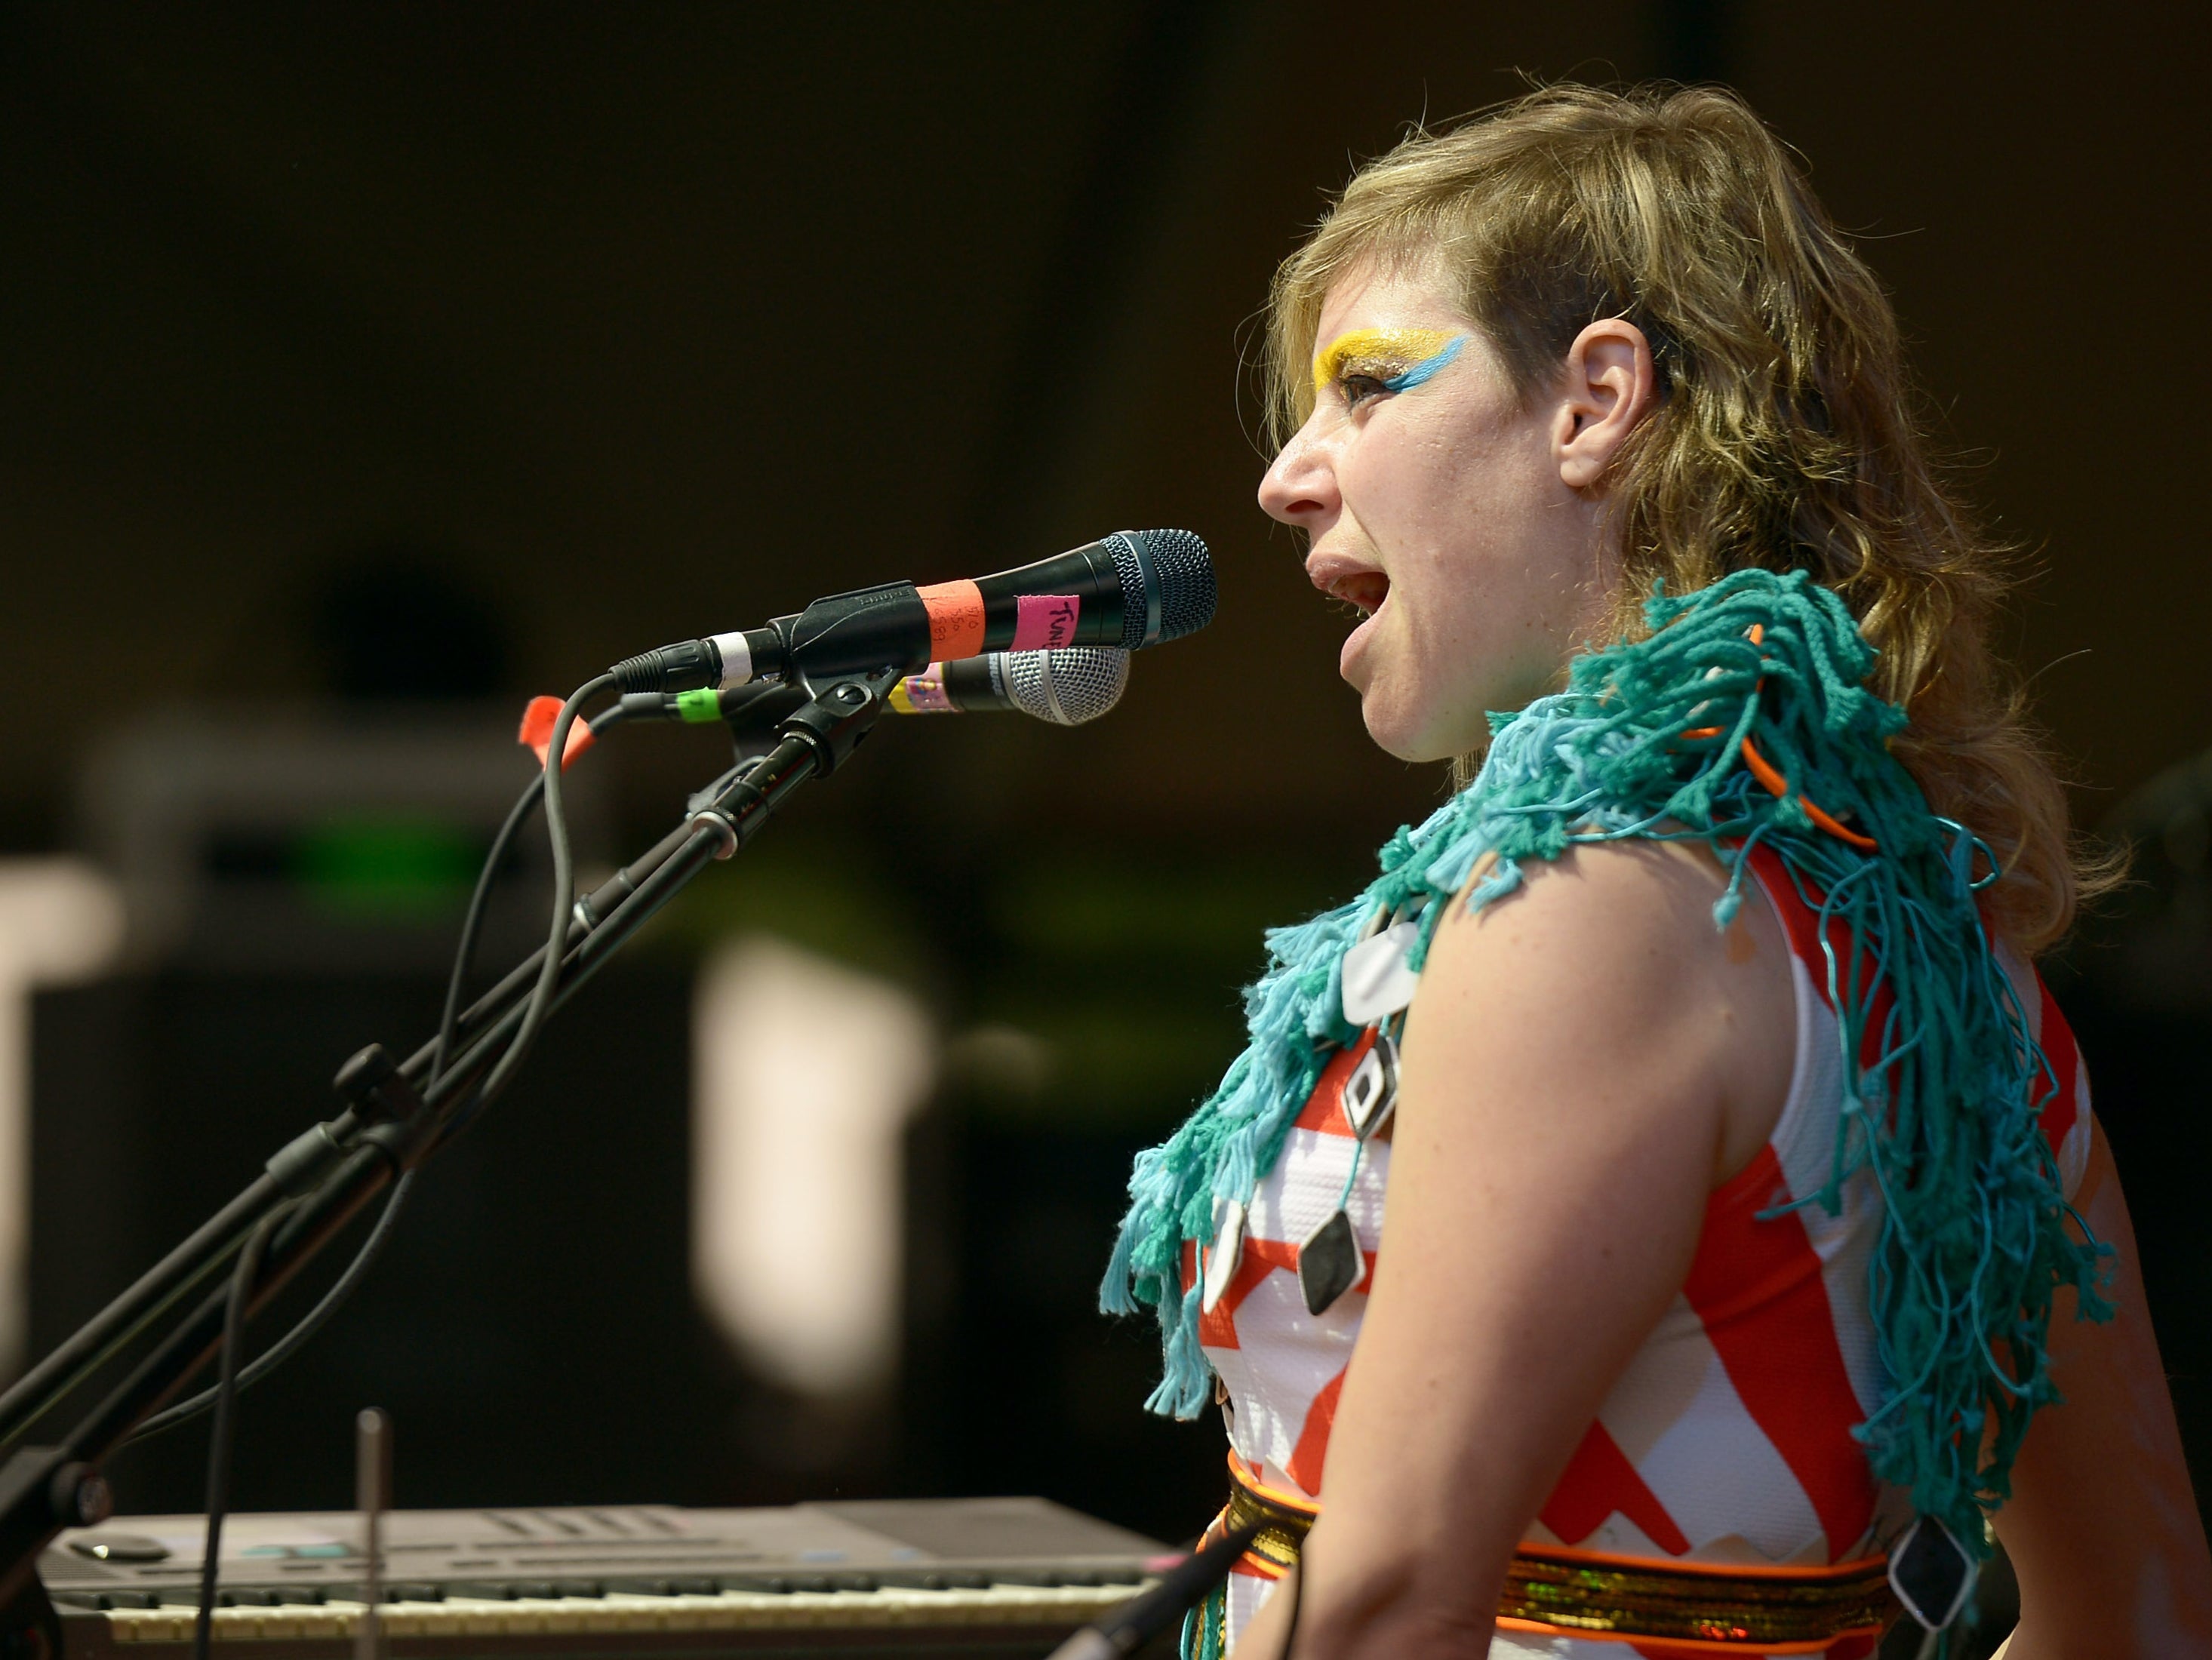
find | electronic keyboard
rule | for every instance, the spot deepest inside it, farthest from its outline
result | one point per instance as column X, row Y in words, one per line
column 941, row 1578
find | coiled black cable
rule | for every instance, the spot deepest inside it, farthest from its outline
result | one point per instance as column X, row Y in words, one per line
column 309, row 1323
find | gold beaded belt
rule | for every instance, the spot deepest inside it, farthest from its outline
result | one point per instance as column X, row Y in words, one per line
column 1563, row 1592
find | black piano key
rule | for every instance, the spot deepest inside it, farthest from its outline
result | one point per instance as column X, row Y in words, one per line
column 542, row 1589
column 913, row 1579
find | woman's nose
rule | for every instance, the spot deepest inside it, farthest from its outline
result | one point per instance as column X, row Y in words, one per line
column 1300, row 488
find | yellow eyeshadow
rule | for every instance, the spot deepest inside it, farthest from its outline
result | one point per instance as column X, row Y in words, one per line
column 1405, row 347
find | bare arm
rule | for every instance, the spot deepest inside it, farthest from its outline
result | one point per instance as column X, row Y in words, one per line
column 2102, row 1526
column 1584, row 1062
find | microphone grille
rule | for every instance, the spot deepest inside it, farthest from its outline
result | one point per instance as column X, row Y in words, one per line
column 1067, row 686
column 1178, row 562
column 1186, row 569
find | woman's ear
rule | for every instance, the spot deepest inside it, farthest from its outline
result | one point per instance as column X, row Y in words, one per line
column 1609, row 385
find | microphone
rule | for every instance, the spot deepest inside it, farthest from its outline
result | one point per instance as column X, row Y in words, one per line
column 1134, row 588
column 1065, row 688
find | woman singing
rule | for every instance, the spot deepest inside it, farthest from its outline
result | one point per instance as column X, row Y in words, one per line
column 1750, row 1239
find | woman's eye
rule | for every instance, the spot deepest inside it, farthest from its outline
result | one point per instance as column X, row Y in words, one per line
column 1358, row 388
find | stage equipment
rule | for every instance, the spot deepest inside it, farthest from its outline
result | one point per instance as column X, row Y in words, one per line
column 942, row 1578
column 1149, row 586
column 1134, row 589
column 1161, row 1608
column 1065, row 687
column 257, row 839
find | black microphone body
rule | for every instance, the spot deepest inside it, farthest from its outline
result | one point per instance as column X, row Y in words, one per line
column 1065, row 688
column 960, row 687
column 1134, row 588
column 1074, row 598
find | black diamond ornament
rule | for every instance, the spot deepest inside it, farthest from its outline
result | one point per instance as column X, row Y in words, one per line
column 1329, row 1262
column 1932, row 1573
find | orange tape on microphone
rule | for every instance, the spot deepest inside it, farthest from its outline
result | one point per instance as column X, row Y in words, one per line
column 956, row 619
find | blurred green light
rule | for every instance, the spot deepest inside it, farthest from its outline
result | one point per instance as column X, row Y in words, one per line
column 399, row 867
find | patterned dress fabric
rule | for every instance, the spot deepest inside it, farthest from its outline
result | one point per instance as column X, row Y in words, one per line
column 1728, row 1439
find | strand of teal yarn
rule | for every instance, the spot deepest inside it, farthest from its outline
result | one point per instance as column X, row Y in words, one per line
column 1665, row 738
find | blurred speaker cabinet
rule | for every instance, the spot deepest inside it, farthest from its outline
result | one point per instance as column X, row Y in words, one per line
column 530, row 1328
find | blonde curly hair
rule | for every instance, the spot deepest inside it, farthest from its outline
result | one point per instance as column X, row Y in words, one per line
column 1786, row 436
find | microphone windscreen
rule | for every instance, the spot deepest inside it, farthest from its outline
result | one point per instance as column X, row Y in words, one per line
column 1069, row 686
column 1179, row 592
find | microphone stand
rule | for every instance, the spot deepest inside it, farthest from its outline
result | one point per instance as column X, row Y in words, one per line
column 323, row 1177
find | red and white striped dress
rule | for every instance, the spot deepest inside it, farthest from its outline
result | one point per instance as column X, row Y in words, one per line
column 1727, row 1438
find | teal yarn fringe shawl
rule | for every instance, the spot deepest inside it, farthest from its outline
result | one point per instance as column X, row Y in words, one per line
column 1941, row 1093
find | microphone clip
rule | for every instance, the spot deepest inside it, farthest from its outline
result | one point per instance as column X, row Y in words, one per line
column 812, row 740
column 839, row 711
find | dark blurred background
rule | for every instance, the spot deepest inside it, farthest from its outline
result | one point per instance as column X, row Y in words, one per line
column 369, row 369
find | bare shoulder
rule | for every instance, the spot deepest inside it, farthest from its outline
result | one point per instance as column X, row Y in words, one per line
column 1607, row 958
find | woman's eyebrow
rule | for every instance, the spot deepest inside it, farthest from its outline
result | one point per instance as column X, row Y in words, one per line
column 1423, row 350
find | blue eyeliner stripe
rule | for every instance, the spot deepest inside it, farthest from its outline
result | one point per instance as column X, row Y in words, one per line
column 1426, row 367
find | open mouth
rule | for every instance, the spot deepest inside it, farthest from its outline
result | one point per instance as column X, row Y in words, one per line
column 1365, row 591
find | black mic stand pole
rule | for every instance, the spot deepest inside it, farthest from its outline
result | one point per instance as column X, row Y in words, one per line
column 325, row 1177
column 1150, row 1612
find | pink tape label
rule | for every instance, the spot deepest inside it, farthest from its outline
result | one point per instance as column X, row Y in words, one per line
column 925, row 692
column 1045, row 622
